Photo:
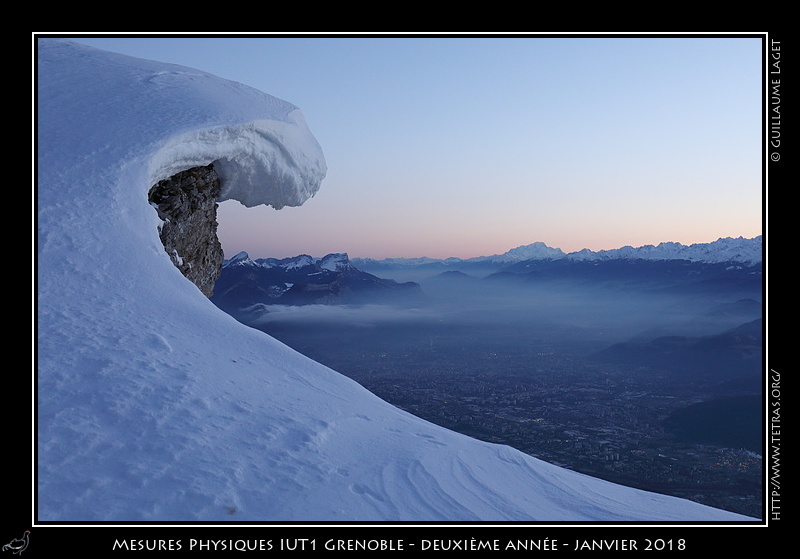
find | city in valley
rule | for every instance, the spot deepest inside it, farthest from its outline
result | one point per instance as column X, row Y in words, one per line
column 615, row 421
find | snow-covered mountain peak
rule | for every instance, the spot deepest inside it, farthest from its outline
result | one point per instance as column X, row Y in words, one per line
column 739, row 250
column 240, row 257
column 537, row 250
column 336, row 262
column 727, row 249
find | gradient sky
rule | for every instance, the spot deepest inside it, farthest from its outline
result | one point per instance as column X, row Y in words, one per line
column 445, row 146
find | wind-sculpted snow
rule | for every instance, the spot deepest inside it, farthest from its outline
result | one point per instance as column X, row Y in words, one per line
column 154, row 405
column 178, row 118
column 262, row 162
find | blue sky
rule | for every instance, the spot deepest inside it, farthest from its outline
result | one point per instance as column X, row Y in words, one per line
column 446, row 146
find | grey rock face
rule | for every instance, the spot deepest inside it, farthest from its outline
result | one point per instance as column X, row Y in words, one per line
column 186, row 202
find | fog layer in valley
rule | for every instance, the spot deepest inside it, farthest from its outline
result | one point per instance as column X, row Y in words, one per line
column 576, row 312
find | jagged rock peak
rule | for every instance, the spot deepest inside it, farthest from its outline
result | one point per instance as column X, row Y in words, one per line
column 240, row 257
column 186, row 202
column 336, row 261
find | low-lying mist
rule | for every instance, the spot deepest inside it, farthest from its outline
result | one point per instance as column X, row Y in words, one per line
column 577, row 316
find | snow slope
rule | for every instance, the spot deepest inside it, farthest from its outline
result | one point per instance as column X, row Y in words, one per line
column 153, row 405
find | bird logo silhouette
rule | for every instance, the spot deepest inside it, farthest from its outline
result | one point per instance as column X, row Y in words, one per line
column 18, row 545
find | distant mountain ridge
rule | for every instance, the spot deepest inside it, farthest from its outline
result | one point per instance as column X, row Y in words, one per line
column 301, row 280
column 725, row 249
column 732, row 357
column 331, row 262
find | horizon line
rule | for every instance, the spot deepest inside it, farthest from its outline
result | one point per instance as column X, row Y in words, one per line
column 501, row 253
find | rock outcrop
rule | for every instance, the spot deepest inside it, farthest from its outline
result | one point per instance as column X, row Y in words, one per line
column 187, row 203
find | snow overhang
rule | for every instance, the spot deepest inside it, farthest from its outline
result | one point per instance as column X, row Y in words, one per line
column 261, row 162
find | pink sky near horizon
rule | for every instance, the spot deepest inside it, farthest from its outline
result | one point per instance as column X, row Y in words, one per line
column 281, row 235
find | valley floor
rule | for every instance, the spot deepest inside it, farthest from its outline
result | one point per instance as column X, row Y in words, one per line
column 607, row 421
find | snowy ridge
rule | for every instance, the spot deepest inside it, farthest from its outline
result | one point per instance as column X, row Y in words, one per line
column 337, row 261
column 727, row 249
column 537, row 250
column 154, row 405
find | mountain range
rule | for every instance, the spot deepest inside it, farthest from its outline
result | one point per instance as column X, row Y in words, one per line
column 302, row 280
column 725, row 249
column 731, row 265
column 733, row 357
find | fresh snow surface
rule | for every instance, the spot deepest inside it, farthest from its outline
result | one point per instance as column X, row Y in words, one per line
column 153, row 405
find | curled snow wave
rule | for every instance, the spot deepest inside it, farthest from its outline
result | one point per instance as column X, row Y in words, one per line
column 262, row 162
